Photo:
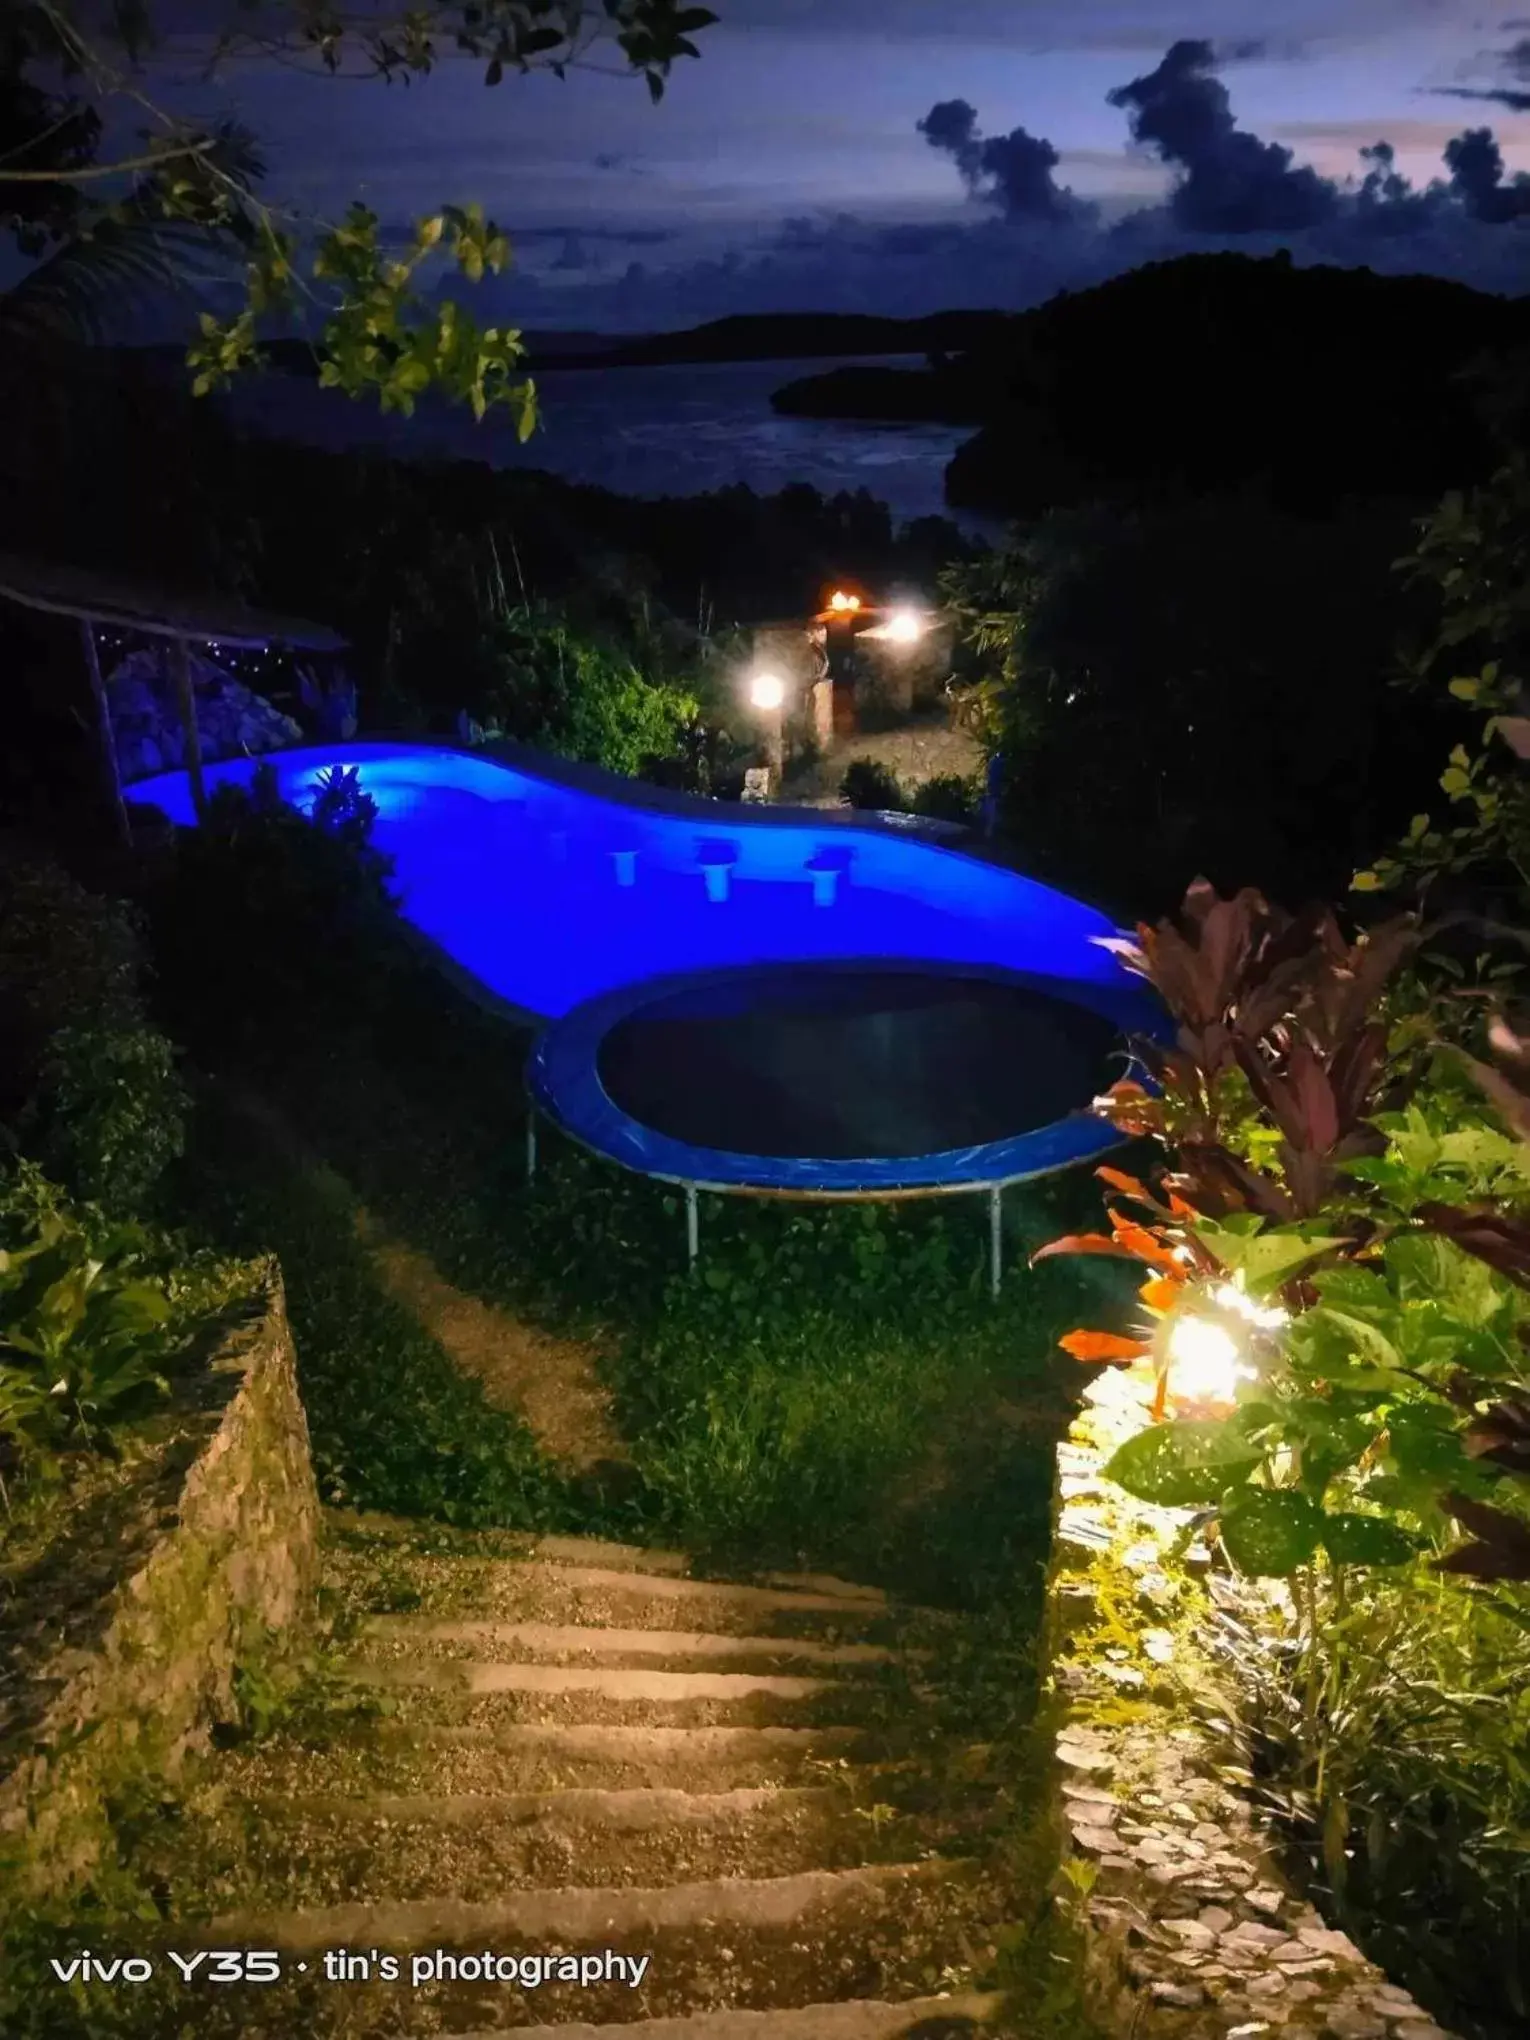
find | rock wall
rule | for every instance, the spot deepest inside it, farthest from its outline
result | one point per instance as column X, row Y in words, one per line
column 1189, row 1929
column 232, row 722
column 224, row 1574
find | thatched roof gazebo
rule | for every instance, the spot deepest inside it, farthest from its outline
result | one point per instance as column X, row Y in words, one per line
column 100, row 600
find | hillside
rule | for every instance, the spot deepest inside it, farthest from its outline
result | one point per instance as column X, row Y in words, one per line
column 1206, row 371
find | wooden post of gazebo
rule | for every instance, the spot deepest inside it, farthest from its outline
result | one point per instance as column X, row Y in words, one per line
column 106, row 742
column 185, row 695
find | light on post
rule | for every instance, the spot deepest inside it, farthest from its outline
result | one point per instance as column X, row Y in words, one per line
column 767, row 691
column 905, row 627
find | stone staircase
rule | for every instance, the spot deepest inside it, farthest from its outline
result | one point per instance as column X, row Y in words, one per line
column 553, row 1747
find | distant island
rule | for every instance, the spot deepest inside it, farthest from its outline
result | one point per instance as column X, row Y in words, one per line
column 770, row 336
column 1203, row 372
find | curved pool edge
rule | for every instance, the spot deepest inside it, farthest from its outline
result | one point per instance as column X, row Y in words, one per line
column 563, row 1083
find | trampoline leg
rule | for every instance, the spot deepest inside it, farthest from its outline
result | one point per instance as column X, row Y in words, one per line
column 691, row 1228
column 995, row 1240
column 531, row 1147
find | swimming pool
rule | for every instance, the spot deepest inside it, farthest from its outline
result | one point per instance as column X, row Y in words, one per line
column 586, row 902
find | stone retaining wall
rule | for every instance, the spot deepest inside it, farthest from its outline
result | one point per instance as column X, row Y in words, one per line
column 209, row 1574
column 1190, row 1931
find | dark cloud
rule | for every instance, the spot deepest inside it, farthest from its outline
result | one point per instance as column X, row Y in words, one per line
column 1475, row 163
column 1013, row 171
column 1230, row 180
column 1235, row 190
column 1386, row 203
column 1514, row 62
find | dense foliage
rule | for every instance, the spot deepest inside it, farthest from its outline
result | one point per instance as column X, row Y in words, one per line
column 87, row 1084
column 1342, row 1219
column 1201, row 685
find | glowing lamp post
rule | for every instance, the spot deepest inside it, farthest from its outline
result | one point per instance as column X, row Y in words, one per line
column 904, row 627
column 767, row 693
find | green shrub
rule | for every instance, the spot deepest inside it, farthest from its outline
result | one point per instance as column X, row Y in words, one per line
column 87, row 1084
column 115, row 1111
column 866, row 784
column 578, row 695
column 269, row 917
column 949, row 798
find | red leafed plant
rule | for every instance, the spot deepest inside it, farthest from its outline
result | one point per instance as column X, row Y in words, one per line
column 1164, row 1245
column 1266, row 1088
column 1274, row 1013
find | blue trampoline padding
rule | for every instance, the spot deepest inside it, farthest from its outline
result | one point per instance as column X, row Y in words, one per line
column 564, row 1082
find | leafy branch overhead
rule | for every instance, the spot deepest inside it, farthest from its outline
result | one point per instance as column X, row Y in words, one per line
column 180, row 209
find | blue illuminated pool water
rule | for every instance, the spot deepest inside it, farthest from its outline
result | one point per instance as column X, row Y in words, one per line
column 596, row 904
column 551, row 893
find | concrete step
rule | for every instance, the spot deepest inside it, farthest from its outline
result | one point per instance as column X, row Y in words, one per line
column 537, row 1756
column 538, row 1590
column 479, row 1676
column 583, row 1552
column 715, row 1948
column 374, row 1848
column 925, row 2018
column 420, row 1690
column 580, row 1913
column 568, row 1642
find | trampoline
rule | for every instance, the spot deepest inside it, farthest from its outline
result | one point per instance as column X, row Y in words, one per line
column 875, row 1079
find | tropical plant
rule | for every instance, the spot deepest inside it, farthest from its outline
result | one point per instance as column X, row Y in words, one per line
column 1344, row 1250
column 82, row 1328
column 343, row 808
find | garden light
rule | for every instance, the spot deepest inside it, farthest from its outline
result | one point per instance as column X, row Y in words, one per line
column 767, row 690
column 905, row 627
column 1208, row 1356
column 1206, row 1363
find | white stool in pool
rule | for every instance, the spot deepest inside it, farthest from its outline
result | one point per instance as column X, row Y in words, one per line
column 826, row 869
column 626, row 866
column 717, row 861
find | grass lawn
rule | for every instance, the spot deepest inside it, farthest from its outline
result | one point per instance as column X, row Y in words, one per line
column 832, row 1386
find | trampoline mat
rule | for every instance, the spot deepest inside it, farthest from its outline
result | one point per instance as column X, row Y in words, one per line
column 854, row 1066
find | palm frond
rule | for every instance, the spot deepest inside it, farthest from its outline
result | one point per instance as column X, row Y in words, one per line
column 93, row 284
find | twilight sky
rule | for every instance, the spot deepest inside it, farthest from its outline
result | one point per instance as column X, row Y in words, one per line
column 892, row 155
